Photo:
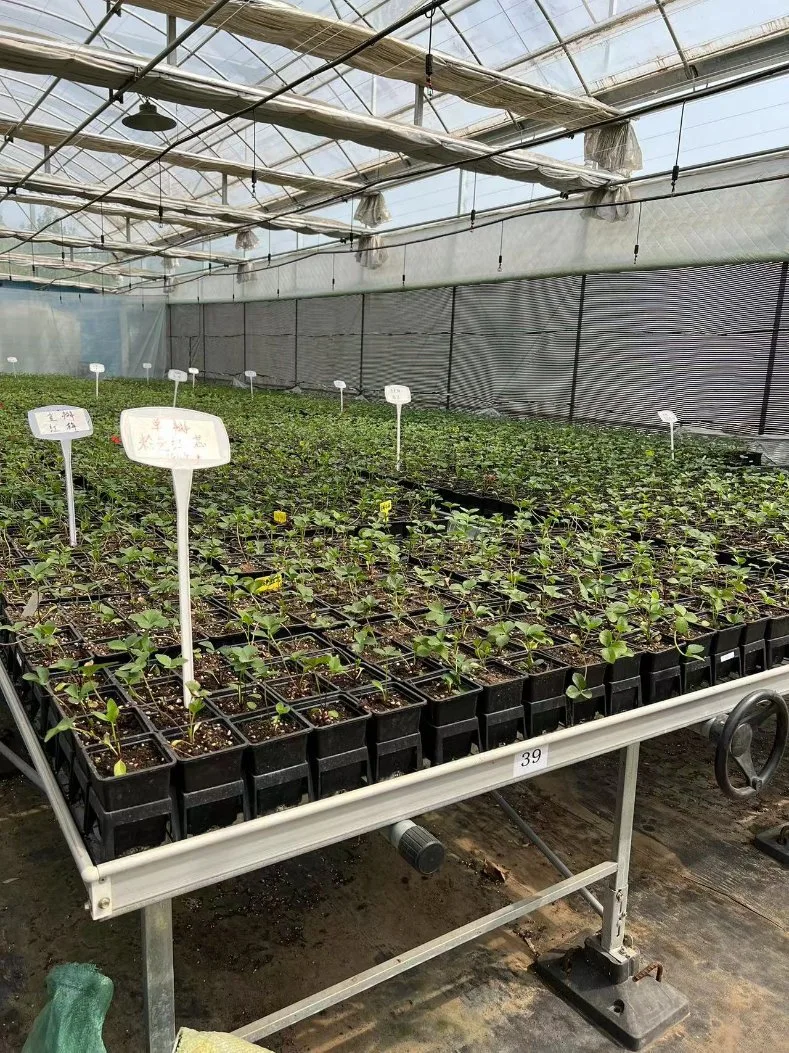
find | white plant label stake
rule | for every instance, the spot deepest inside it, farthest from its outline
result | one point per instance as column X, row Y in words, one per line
column 341, row 386
column 13, row 360
column 181, row 440
column 398, row 395
column 98, row 369
column 63, row 423
column 250, row 374
column 147, row 367
column 179, row 377
column 193, row 371
column 671, row 419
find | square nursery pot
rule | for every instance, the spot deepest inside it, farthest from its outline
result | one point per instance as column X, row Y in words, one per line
column 145, row 786
column 502, row 687
column 285, row 749
column 753, row 648
column 594, row 671
column 725, row 655
column 338, row 736
column 303, row 643
column 205, row 771
column 388, row 722
column 778, row 625
column 233, row 707
column 358, row 677
column 164, row 691
column 447, row 705
column 545, row 677
column 409, row 667
column 545, row 714
column 132, row 723
column 279, row 690
column 777, row 640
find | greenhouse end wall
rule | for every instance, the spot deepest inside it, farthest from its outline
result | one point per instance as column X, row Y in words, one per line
column 711, row 342
column 52, row 331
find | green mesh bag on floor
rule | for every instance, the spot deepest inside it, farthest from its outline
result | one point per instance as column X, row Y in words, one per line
column 73, row 1018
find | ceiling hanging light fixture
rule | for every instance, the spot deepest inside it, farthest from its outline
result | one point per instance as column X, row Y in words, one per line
column 148, row 119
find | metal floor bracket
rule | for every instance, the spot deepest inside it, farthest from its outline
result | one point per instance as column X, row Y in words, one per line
column 775, row 843
column 629, row 1003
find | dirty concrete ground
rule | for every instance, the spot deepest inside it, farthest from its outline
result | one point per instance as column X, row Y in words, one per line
column 703, row 901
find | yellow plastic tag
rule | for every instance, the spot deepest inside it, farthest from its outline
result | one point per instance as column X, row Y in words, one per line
column 269, row 584
column 385, row 508
column 280, row 517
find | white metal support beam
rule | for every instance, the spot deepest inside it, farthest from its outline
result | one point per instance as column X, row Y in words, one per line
column 126, row 248
column 304, row 31
column 101, row 68
column 136, row 881
column 50, row 136
column 208, row 213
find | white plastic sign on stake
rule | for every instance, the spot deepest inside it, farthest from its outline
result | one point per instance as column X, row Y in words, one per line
column 179, row 377
column 341, row 386
column 250, row 374
column 181, row 440
column 63, row 423
column 147, row 367
column 97, row 368
column 670, row 418
column 398, row 395
column 12, row 359
column 193, row 371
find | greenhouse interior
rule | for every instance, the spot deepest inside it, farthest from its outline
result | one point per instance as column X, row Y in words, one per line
column 394, row 653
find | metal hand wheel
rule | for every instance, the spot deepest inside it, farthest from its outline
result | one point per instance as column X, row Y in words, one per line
column 736, row 738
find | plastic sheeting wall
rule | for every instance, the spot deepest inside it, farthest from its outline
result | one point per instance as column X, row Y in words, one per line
column 730, row 213
column 61, row 332
column 600, row 347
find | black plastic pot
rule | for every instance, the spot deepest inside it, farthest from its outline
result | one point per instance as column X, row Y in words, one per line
column 135, row 788
column 409, row 668
column 778, row 625
column 173, row 685
column 754, row 631
column 660, row 675
column 545, row 714
column 623, row 668
column 594, row 673
column 212, row 769
column 367, row 674
column 728, row 638
column 341, row 736
column 462, row 705
column 495, row 698
column 389, row 724
column 545, row 683
column 280, row 752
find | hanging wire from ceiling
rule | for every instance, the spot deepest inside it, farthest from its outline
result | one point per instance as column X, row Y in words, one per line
column 638, row 111
column 222, row 120
column 675, row 169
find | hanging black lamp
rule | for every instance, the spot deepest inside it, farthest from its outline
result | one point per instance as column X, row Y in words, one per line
column 148, row 119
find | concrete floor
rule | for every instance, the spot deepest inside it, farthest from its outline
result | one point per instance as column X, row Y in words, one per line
column 703, row 901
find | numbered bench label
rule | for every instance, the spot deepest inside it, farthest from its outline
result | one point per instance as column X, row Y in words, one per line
column 531, row 760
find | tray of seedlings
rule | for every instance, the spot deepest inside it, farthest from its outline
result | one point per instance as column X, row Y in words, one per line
column 351, row 625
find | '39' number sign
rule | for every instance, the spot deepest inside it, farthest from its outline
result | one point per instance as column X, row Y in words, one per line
column 531, row 760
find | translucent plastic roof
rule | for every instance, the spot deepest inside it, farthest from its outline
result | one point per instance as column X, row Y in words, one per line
column 587, row 48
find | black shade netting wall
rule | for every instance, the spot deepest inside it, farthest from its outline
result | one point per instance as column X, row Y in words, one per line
column 703, row 341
